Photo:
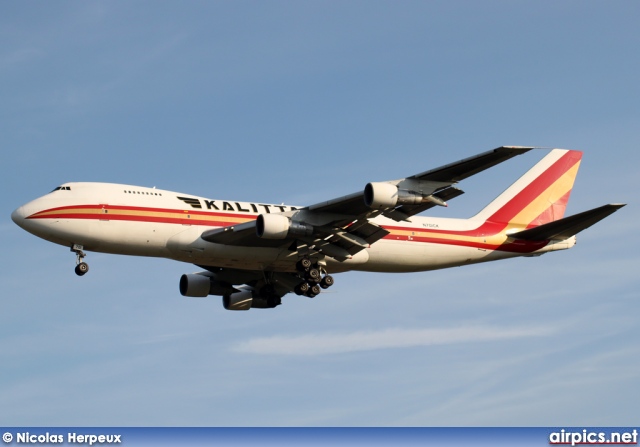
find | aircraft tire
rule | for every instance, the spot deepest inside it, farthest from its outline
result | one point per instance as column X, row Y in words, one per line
column 326, row 282
column 313, row 275
column 82, row 268
column 302, row 288
column 303, row 264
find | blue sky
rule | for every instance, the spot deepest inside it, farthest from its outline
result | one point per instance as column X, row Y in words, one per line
column 299, row 102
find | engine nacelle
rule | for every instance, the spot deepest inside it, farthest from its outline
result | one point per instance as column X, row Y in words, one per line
column 379, row 196
column 195, row 285
column 277, row 226
column 247, row 298
column 239, row 300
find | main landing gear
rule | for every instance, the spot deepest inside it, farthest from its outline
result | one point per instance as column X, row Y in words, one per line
column 314, row 278
column 81, row 266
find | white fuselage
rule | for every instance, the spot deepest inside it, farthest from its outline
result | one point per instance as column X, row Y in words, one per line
column 140, row 221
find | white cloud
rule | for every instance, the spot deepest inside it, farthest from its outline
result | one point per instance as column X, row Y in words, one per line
column 334, row 343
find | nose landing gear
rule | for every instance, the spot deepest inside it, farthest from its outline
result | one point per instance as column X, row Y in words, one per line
column 81, row 266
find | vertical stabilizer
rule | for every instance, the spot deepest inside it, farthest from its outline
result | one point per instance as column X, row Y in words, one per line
column 538, row 197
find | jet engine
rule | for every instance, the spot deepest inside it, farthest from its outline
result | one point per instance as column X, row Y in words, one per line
column 247, row 298
column 379, row 196
column 238, row 300
column 195, row 285
column 277, row 226
column 242, row 297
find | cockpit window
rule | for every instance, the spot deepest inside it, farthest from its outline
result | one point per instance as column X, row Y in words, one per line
column 62, row 188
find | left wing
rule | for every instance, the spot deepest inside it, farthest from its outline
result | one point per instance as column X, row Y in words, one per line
column 342, row 227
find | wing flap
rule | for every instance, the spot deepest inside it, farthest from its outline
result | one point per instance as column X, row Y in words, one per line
column 370, row 232
column 568, row 226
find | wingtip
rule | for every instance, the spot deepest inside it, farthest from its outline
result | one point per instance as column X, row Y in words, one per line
column 521, row 149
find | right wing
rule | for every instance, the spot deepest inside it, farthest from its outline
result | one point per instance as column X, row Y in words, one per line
column 342, row 227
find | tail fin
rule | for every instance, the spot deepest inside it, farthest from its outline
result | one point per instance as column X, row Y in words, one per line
column 538, row 197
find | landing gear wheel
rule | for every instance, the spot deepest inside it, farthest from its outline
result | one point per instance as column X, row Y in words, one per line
column 82, row 268
column 313, row 291
column 326, row 282
column 303, row 264
column 302, row 288
column 313, row 275
column 310, row 294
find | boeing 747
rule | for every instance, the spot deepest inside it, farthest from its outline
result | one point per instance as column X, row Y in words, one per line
column 252, row 254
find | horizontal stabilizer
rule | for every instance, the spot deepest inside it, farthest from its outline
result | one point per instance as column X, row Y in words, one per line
column 568, row 226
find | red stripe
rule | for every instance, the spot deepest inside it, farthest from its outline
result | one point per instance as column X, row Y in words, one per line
column 120, row 217
column 486, row 229
column 511, row 247
column 99, row 208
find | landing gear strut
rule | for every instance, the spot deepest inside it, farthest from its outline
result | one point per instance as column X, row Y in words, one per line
column 314, row 278
column 81, row 266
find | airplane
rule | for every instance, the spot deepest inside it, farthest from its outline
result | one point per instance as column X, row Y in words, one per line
column 253, row 254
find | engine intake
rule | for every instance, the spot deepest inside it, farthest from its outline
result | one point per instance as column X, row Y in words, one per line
column 380, row 196
column 277, row 226
column 194, row 285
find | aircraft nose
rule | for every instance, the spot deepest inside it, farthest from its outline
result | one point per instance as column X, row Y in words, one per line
column 18, row 216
